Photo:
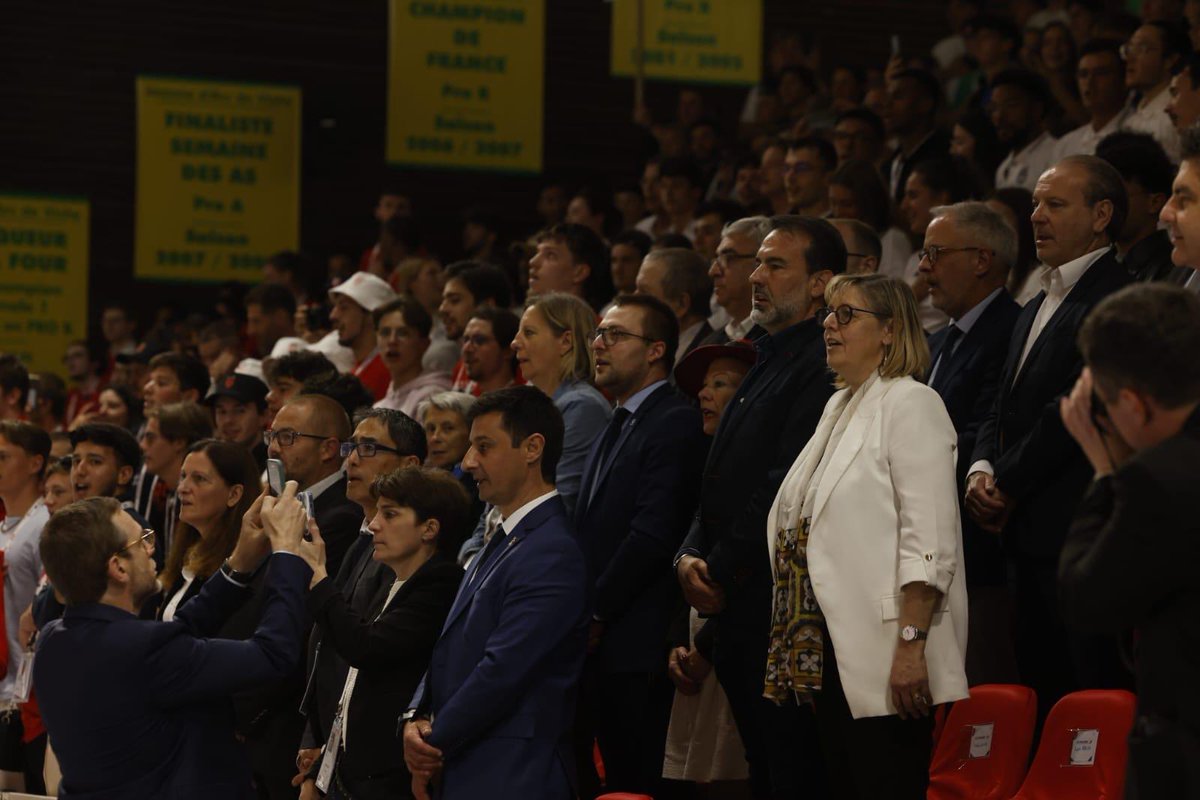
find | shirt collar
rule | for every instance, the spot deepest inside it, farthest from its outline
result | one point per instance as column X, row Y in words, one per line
column 738, row 330
column 323, row 484
column 632, row 404
column 509, row 523
column 1061, row 280
column 971, row 317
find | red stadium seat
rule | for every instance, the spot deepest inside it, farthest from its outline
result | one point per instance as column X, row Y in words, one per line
column 1083, row 748
column 984, row 747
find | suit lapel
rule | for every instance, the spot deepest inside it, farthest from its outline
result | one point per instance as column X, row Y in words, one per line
column 1020, row 333
column 850, row 443
column 634, row 420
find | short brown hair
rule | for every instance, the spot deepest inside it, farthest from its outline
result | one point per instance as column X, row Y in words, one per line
column 431, row 494
column 186, row 422
column 659, row 323
column 893, row 300
column 76, row 545
column 29, row 437
column 1145, row 337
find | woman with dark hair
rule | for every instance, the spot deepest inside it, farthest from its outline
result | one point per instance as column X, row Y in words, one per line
column 420, row 521
column 974, row 138
column 1056, row 61
column 217, row 485
column 1016, row 206
column 857, row 192
column 117, row 404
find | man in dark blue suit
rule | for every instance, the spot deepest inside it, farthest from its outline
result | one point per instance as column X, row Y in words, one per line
column 639, row 491
column 1027, row 475
column 492, row 717
column 138, row 708
column 969, row 249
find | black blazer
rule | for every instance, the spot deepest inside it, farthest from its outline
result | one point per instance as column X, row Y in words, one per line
column 635, row 521
column 1129, row 561
column 763, row 429
column 967, row 382
column 391, row 651
column 1036, row 461
column 339, row 520
column 938, row 144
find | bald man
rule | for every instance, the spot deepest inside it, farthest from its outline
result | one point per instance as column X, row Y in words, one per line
column 307, row 436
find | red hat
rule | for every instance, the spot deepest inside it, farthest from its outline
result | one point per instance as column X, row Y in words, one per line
column 689, row 374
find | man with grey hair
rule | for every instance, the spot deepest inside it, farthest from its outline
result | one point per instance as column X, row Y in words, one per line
column 969, row 249
column 1027, row 474
column 863, row 246
column 678, row 277
column 730, row 273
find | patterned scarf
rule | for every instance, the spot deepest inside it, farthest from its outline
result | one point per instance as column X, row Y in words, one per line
column 795, row 654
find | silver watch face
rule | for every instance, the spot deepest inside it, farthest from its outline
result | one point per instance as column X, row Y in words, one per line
column 908, row 633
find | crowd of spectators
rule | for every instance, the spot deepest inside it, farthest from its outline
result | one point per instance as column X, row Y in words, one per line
column 823, row 366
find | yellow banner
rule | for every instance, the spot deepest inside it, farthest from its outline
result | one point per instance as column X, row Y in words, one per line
column 465, row 84
column 43, row 277
column 708, row 41
column 218, row 178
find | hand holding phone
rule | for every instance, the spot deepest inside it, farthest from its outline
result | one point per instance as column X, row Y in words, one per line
column 276, row 477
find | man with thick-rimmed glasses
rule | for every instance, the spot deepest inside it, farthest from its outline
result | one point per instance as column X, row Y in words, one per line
column 139, row 708
column 730, row 273
column 383, row 441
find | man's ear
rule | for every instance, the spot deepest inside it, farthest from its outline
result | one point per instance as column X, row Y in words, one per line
column 432, row 529
column 124, row 475
column 582, row 273
column 820, row 280
column 410, row 461
column 1157, row 201
column 1102, row 214
column 534, row 445
column 190, row 395
column 118, row 570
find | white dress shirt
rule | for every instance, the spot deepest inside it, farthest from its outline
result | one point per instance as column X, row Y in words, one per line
column 1022, row 168
column 1083, row 140
column 1152, row 119
column 738, row 330
column 1057, row 283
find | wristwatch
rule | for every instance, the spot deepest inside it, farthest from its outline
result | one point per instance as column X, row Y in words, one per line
column 911, row 633
column 243, row 578
column 411, row 714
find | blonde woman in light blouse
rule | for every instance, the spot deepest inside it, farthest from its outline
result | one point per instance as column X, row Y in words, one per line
column 869, row 614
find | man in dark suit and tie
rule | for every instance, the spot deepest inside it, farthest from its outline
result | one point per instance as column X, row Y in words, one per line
column 638, row 494
column 723, row 566
column 493, row 713
column 1137, row 528
column 138, row 708
column 969, row 249
column 1027, row 475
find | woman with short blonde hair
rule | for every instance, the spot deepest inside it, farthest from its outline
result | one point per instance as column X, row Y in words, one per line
column 866, row 551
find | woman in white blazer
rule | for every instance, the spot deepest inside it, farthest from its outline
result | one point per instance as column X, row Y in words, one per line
column 869, row 617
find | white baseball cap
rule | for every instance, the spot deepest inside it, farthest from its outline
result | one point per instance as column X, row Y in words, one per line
column 369, row 291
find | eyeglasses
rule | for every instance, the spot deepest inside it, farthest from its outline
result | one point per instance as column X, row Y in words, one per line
column 1139, row 49
column 364, row 449
column 287, row 437
column 610, row 336
column 724, row 259
column 844, row 313
column 934, row 252
column 479, row 340
column 146, row 540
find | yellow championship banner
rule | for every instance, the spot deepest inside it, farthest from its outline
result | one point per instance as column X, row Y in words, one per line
column 218, row 178
column 708, row 41
column 43, row 277
column 465, row 84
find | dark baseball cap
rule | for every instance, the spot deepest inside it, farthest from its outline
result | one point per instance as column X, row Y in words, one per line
column 241, row 387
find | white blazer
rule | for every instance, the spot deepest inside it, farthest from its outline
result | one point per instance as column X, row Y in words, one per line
column 885, row 514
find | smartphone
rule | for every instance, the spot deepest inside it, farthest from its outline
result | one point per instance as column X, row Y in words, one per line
column 275, row 476
column 895, row 45
column 307, row 500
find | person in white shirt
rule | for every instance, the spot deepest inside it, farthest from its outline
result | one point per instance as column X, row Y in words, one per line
column 1101, row 79
column 1018, row 109
column 730, row 273
column 1151, row 55
column 679, row 278
column 1181, row 214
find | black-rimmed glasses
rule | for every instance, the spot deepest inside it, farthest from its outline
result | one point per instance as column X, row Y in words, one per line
column 365, row 449
column 844, row 313
column 934, row 252
column 287, row 437
column 146, row 540
column 610, row 336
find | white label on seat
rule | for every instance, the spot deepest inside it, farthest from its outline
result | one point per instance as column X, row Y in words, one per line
column 981, row 740
column 1083, row 747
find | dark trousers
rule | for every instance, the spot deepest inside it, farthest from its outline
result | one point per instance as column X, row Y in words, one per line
column 873, row 758
column 1052, row 660
column 627, row 714
column 781, row 741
